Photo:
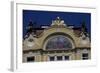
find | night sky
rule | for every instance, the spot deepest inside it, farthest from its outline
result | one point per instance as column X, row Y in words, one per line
column 45, row 18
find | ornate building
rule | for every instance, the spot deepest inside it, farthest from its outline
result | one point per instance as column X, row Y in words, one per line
column 56, row 42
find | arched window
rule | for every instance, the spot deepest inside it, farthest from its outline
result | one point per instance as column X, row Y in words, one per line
column 59, row 42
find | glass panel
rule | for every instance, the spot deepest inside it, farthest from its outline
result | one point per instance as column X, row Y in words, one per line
column 30, row 59
column 52, row 58
column 66, row 57
column 59, row 57
column 85, row 56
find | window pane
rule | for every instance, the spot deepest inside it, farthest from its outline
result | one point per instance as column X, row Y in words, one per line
column 85, row 56
column 59, row 57
column 30, row 59
column 66, row 57
column 52, row 58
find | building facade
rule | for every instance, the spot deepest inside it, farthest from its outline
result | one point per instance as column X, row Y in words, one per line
column 56, row 42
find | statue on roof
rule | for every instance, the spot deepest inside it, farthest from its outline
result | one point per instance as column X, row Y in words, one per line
column 58, row 22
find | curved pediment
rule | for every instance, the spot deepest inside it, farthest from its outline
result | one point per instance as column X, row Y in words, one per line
column 58, row 28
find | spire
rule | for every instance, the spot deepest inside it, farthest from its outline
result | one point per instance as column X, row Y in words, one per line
column 30, row 27
column 83, row 28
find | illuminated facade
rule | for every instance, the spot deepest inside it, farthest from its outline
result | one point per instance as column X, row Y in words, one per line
column 56, row 42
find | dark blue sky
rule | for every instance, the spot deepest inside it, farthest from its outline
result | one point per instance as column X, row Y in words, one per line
column 46, row 17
